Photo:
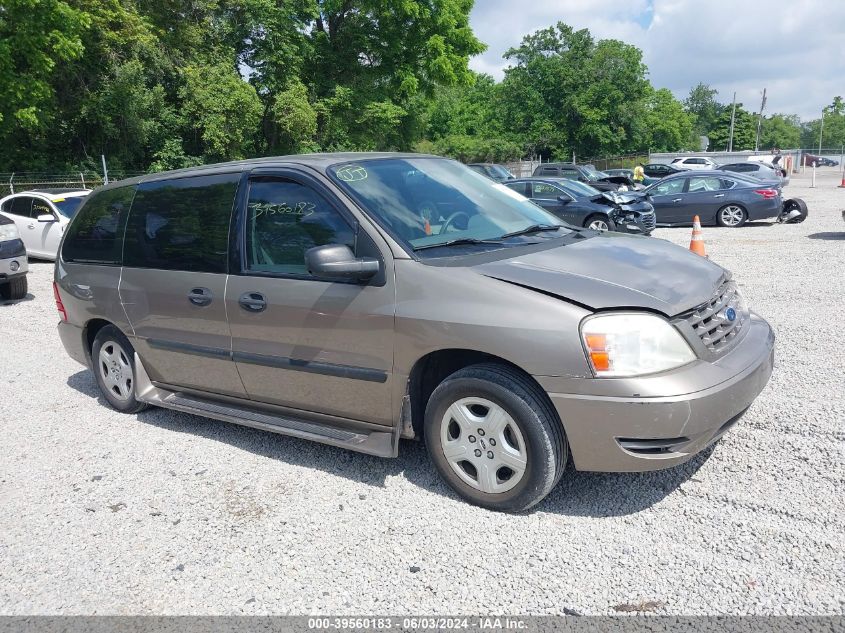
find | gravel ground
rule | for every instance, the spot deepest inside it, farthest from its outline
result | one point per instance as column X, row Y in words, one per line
column 168, row 513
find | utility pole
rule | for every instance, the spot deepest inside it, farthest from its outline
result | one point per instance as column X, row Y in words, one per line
column 733, row 116
column 760, row 121
column 821, row 130
column 105, row 170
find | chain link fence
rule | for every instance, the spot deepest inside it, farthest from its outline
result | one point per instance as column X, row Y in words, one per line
column 16, row 182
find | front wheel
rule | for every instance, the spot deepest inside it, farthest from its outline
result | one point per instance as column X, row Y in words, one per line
column 600, row 223
column 732, row 216
column 113, row 360
column 495, row 438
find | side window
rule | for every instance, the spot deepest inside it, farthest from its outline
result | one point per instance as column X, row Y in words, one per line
column 549, row 171
column 544, row 191
column 20, row 206
column 181, row 224
column 728, row 184
column 39, row 207
column 284, row 219
column 96, row 233
column 519, row 187
column 704, row 183
column 670, row 187
column 572, row 174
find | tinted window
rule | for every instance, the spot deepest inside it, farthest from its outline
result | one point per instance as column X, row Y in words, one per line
column 545, row 191
column 181, row 224
column 19, row 206
column 549, row 170
column 519, row 187
column 570, row 173
column 669, row 187
column 39, row 207
column 285, row 219
column 96, row 233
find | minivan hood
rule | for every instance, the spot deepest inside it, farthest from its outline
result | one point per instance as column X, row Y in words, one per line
column 614, row 270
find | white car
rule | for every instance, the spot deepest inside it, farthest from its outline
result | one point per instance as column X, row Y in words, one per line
column 41, row 217
column 693, row 162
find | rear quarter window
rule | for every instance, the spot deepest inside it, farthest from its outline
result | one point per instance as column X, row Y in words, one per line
column 96, row 233
column 181, row 224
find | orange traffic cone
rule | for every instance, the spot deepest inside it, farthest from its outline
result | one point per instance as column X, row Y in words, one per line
column 696, row 244
column 427, row 227
column 842, row 186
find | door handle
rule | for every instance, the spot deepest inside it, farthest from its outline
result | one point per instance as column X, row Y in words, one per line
column 200, row 296
column 252, row 301
column 719, row 195
column 30, row 226
column 677, row 200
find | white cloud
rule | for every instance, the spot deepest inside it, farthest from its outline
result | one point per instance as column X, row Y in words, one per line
column 793, row 48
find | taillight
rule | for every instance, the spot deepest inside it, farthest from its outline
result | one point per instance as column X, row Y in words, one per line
column 768, row 194
column 59, row 305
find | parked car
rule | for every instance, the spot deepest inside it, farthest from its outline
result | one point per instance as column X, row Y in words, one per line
column 693, row 162
column 760, row 170
column 811, row 160
column 41, row 216
column 498, row 173
column 658, row 170
column 308, row 295
column 583, row 173
column 582, row 205
column 717, row 197
column 13, row 262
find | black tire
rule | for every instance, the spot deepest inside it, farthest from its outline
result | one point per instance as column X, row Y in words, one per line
column 543, row 440
column 796, row 203
column 14, row 289
column 117, row 345
column 721, row 222
column 611, row 225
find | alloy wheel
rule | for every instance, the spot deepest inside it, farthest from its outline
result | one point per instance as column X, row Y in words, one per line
column 116, row 370
column 483, row 445
column 732, row 215
column 598, row 225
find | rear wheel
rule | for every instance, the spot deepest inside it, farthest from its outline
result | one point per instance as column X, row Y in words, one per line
column 732, row 216
column 495, row 438
column 113, row 359
column 599, row 222
column 14, row 289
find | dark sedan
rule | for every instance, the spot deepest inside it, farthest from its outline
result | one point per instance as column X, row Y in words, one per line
column 657, row 170
column 499, row 173
column 581, row 205
column 584, row 173
column 717, row 197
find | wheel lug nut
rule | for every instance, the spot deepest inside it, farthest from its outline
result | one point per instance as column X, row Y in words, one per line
column 478, row 452
column 492, row 442
column 490, row 454
column 481, row 432
column 471, row 438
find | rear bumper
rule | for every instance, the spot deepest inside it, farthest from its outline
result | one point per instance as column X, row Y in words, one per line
column 615, row 433
column 73, row 339
column 13, row 261
column 770, row 209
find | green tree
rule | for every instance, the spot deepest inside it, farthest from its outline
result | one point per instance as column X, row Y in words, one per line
column 780, row 130
column 702, row 104
column 668, row 126
column 745, row 130
column 224, row 111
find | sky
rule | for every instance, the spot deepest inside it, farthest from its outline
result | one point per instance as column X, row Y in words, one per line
column 793, row 48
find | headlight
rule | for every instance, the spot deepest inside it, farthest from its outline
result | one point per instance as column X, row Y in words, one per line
column 633, row 344
column 8, row 232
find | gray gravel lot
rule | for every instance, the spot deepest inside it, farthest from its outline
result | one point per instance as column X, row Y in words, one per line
column 163, row 512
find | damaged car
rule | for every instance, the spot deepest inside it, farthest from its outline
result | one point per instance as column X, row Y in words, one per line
column 584, row 173
column 310, row 296
column 582, row 205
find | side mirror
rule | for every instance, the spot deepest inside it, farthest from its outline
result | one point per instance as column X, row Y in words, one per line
column 47, row 217
column 338, row 262
column 564, row 199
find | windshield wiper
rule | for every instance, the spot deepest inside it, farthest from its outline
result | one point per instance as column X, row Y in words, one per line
column 534, row 228
column 457, row 242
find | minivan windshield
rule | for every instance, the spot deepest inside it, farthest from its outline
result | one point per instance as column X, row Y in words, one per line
column 429, row 202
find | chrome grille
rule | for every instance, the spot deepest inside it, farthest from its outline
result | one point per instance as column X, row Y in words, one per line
column 711, row 325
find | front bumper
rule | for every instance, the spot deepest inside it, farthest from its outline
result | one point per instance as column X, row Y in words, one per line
column 13, row 261
column 629, row 425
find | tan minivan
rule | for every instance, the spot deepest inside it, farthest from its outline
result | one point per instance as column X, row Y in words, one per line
column 356, row 299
